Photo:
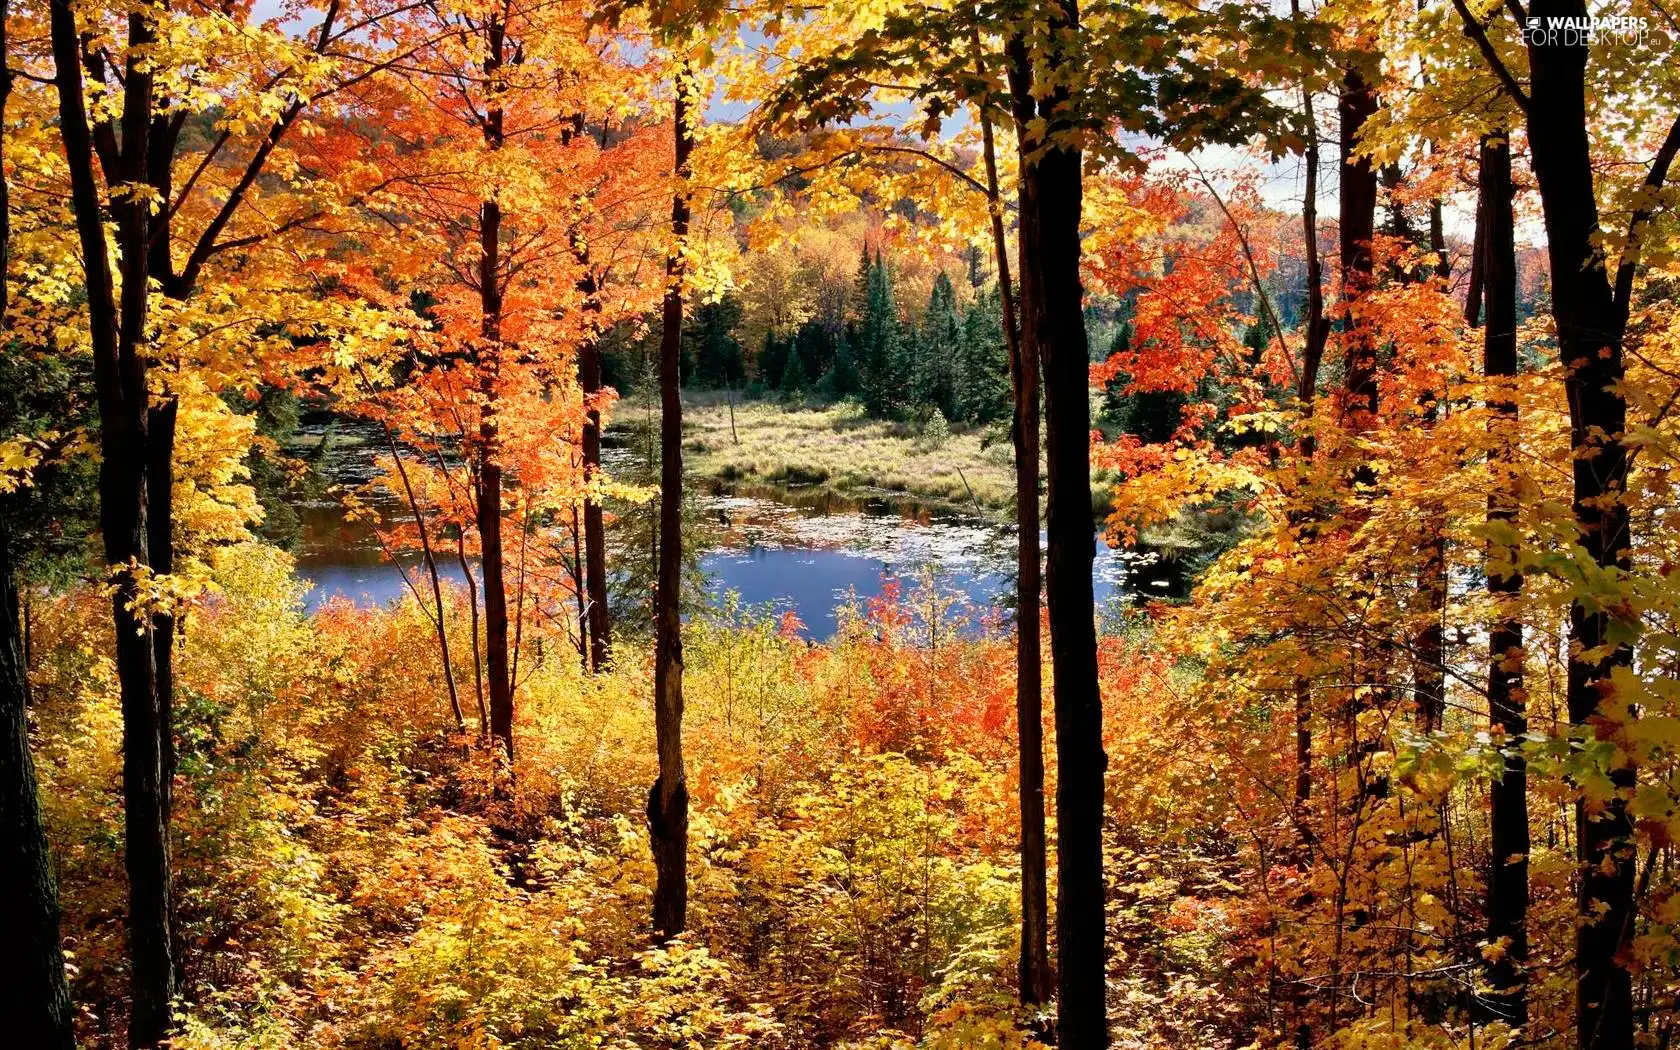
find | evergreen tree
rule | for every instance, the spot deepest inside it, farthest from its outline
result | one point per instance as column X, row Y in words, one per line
column 843, row 379
column 1259, row 335
column 879, row 342
column 981, row 383
column 793, row 375
column 1114, row 395
column 816, row 348
column 709, row 342
column 933, row 354
column 772, row 361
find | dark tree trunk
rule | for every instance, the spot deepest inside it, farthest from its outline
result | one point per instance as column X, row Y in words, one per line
column 1431, row 641
column 489, row 521
column 1033, row 974
column 593, row 569
column 34, row 994
column 160, row 546
column 1507, row 905
column 1357, row 223
column 1590, row 324
column 667, row 808
column 1316, row 333
column 120, row 385
column 1053, row 319
column 489, row 495
column 594, row 530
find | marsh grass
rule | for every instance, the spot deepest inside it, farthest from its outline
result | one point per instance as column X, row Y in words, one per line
column 840, row 447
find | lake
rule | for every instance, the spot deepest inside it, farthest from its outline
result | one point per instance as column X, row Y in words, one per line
column 808, row 552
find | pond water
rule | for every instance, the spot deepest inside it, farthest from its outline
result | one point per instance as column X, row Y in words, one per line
column 809, row 552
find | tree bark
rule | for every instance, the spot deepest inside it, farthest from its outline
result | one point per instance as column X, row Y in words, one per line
column 1507, row 905
column 1052, row 307
column 1033, row 968
column 667, row 808
column 1356, row 224
column 34, row 993
column 1316, row 335
column 1431, row 641
column 1590, row 324
column 160, row 549
column 594, row 529
column 489, row 495
column 121, row 390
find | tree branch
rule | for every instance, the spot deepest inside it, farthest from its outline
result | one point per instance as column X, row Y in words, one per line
column 1478, row 33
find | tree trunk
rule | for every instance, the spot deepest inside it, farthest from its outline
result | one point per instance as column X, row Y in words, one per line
column 594, row 529
column 1316, row 335
column 1590, row 323
column 489, row 495
column 472, row 625
column 160, row 547
column 34, row 994
column 1054, row 321
column 1033, row 974
column 120, row 385
column 1357, row 224
column 1507, row 905
column 667, row 808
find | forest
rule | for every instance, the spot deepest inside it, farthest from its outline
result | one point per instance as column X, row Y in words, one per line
column 440, row 442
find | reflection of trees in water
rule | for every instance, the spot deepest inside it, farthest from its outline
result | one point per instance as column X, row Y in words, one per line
column 889, row 533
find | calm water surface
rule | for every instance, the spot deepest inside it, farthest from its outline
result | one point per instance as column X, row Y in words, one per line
column 809, row 552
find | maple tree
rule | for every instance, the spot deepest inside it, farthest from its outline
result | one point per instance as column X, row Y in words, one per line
column 1378, row 746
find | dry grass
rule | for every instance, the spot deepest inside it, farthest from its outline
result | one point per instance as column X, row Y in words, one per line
column 842, row 448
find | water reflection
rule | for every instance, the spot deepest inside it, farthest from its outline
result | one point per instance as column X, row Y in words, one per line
column 805, row 550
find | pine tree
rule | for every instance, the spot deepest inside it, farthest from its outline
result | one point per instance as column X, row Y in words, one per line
column 816, row 348
column 793, row 374
column 879, row 342
column 772, row 361
column 1258, row 336
column 932, row 354
column 843, row 379
column 981, row 383
column 709, row 341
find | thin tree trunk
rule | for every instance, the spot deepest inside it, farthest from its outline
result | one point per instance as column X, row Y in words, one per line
column 1316, row 335
column 34, row 994
column 519, row 595
column 667, row 807
column 432, row 574
column 1033, row 969
column 1431, row 641
column 1053, row 320
column 477, row 654
column 594, row 529
column 1316, row 330
column 578, row 589
column 1507, row 903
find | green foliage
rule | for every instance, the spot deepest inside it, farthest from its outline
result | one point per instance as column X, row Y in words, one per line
column 48, row 397
column 709, row 343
